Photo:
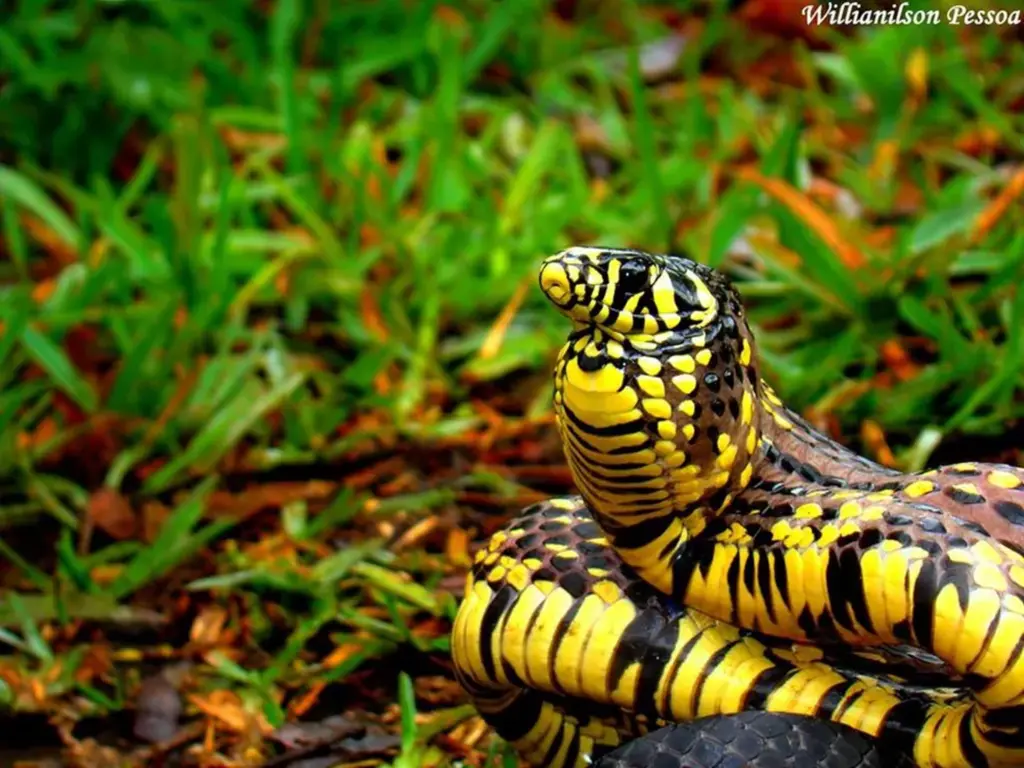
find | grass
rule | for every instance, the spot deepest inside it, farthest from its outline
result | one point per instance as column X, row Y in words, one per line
column 272, row 358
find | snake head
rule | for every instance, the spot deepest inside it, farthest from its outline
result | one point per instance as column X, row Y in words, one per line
column 632, row 295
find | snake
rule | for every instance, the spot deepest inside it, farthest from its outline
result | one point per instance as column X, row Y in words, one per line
column 728, row 585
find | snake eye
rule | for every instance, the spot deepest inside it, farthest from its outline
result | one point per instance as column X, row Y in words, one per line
column 633, row 276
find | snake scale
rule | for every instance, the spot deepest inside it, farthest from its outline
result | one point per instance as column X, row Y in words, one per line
column 732, row 587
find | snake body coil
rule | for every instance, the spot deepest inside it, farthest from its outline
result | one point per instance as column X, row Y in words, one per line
column 724, row 557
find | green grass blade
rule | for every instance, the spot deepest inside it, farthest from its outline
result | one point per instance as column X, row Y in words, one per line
column 225, row 429
column 170, row 546
column 35, row 644
column 407, row 704
column 284, row 26
column 646, row 145
column 32, row 198
column 58, row 366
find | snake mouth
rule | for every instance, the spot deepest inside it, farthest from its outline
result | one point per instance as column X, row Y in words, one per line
column 554, row 281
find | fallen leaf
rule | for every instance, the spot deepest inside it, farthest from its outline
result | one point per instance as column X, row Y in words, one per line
column 226, row 707
column 457, row 547
column 242, row 141
column 239, row 506
column 995, row 210
column 208, row 625
column 874, row 440
column 43, row 290
column 898, row 360
column 810, row 214
column 416, row 533
column 439, row 691
column 95, row 663
column 154, row 514
column 55, row 245
column 782, row 18
column 496, row 334
column 44, row 431
column 373, row 320
column 978, row 141
column 112, row 513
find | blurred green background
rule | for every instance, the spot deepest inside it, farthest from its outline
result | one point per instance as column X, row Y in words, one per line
column 272, row 356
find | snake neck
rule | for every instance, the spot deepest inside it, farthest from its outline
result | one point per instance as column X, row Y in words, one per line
column 659, row 442
column 795, row 454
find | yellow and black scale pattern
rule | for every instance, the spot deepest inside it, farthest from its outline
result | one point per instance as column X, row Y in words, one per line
column 724, row 556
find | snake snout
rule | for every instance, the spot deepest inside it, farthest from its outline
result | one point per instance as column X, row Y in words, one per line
column 554, row 281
